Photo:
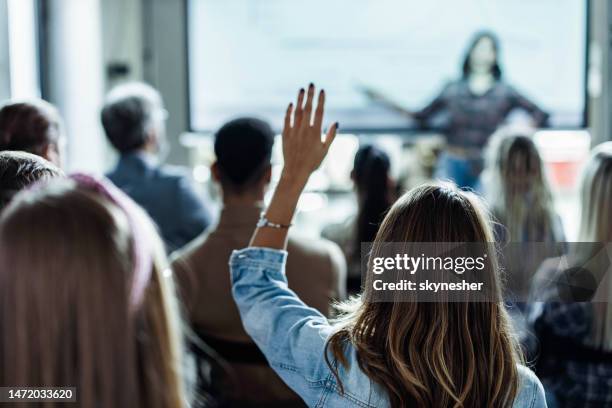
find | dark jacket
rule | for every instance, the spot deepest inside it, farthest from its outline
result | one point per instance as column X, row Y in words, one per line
column 166, row 193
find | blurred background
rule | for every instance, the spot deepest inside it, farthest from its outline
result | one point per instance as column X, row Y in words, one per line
column 216, row 59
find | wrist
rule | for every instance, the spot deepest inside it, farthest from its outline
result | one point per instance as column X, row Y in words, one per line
column 293, row 181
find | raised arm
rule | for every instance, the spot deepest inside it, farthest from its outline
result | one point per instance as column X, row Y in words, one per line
column 290, row 334
column 303, row 152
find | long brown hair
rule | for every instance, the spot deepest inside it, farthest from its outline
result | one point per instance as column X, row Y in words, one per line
column 69, row 315
column 425, row 354
column 517, row 188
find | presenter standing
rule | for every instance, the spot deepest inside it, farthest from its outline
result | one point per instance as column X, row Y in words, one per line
column 469, row 110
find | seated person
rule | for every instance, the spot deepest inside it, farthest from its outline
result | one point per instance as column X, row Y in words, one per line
column 315, row 270
column 516, row 188
column 35, row 127
column 399, row 353
column 18, row 170
column 86, row 302
column 133, row 119
column 375, row 191
column 571, row 309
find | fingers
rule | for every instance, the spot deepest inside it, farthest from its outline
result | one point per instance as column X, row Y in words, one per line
column 331, row 135
column 299, row 109
column 308, row 108
column 318, row 117
column 287, row 125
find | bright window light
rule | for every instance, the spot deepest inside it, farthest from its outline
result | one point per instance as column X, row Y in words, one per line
column 23, row 61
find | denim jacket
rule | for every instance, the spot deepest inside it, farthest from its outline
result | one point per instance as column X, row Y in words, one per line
column 292, row 336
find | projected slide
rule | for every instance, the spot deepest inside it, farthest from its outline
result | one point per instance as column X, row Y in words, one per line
column 248, row 57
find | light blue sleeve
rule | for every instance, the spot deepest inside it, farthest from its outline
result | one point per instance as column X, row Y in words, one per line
column 531, row 392
column 290, row 334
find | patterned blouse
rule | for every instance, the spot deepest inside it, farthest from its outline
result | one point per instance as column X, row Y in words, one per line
column 468, row 119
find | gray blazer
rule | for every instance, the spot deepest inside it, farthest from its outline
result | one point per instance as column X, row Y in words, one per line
column 166, row 194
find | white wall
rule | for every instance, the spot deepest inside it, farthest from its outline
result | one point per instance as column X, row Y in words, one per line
column 76, row 81
column 5, row 79
column 122, row 41
column 165, row 65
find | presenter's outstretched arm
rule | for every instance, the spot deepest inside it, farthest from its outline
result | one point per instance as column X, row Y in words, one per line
column 380, row 97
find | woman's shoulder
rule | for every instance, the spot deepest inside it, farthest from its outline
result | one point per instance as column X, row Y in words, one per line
column 531, row 390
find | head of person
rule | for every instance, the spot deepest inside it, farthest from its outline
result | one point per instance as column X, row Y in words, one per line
column 596, row 195
column 371, row 175
column 516, row 184
column 243, row 148
column 19, row 170
column 595, row 227
column 133, row 118
column 433, row 353
column 32, row 126
column 482, row 56
column 86, row 297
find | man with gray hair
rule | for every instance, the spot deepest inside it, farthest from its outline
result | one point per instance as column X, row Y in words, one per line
column 133, row 118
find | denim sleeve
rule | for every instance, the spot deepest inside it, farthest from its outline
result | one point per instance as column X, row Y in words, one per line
column 290, row 334
column 531, row 392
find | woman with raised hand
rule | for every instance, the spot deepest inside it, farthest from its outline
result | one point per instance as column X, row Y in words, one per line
column 396, row 354
column 86, row 299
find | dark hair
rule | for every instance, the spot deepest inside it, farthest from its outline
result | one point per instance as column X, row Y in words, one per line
column 29, row 126
column 244, row 148
column 19, row 170
column 370, row 174
column 496, row 69
column 128, row 114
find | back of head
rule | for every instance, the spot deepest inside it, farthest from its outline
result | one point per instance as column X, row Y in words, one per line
column 29, row 126
column 19, row 170
column 595, row 227
column 371, row 175
column 71, row 313
column 243, row 148
column 435, row 354
column 516, row 186
column 596, row 196
column 130, row 113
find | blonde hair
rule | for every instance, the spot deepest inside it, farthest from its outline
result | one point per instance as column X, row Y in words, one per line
column 68, row 317
column 596, row 226
column 469, row 357
column 516, row 187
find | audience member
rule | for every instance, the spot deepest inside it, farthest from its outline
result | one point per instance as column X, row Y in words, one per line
column 315, row 268
column 518, row 193
column 133, row 119
column 428, row 354
column 34, row 127
column 375, row 191
column 519, row 196
column 86, row 298
column 574, row 326
column 18, row 170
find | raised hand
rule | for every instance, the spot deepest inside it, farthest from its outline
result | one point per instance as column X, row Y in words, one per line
column 303, row 147
column 303, row 150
